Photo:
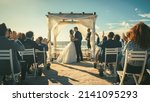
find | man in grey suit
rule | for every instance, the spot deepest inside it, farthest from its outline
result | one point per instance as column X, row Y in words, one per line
column 77, row 42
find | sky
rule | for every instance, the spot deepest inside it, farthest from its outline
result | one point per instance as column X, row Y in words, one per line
column 113, row 15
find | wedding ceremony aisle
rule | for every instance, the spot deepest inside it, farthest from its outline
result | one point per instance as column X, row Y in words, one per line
column 81, row 73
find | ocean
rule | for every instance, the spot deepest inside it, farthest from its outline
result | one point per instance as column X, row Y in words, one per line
column 62, row 44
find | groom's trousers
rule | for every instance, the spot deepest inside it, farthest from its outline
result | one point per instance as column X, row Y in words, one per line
column 78, row 51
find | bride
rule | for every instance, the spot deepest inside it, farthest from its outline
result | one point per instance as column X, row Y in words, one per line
column 68, row 55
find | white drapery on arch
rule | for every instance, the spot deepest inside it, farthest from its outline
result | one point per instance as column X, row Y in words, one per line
column 58, row 21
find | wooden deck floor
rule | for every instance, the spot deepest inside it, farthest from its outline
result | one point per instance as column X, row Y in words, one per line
column 81, row 73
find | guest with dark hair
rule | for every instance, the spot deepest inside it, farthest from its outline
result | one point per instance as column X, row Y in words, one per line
column 98, row 53
column 29, row 44
column 88, row 38
column 117, row 41
column 21, row 37
column 6, row 44
column 110, row 43
column 42, row 47
column 8, row 33
column 41, row 44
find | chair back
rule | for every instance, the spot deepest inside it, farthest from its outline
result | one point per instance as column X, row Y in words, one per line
column 111, row 55
column 138, row 57
column 28, row 53
column 41, row 54
column 6, row 58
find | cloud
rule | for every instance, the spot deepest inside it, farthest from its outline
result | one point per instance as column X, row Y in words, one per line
column 118, row 27
column 125, row 24
column 136, row 9
column 119, row 31
column 145, row 15
column 143, row 20
column 141, row 14
column 120, row 24
column 110, row 25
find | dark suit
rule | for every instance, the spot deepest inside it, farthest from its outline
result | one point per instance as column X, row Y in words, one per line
column 88, row 39
column 5, row 65
column 78, row 36
column 107, row 44
column 29, row 44
column 118, row 44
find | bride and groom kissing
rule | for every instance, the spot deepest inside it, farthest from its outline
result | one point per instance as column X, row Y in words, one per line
column 72, row 52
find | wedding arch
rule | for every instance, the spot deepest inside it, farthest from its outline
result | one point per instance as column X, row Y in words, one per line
column 58, row 21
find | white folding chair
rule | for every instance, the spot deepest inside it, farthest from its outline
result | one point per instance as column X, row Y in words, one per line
column 114, row 53
column 27, row 52
column 44, row 55
column 139, row 56
column 6, row 55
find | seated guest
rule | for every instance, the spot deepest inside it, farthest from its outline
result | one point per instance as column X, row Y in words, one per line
column 104, row 40
column 29, row 41
column 117, row 41
column 110, row 43
column 42, row 47
column 13, row 37
column 6, row 44
column 29, row 44
column 99, row 51
column 21, row 37
column 41, row 44
column 138, row 40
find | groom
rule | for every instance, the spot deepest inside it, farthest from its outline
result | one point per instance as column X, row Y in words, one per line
column 77, row 42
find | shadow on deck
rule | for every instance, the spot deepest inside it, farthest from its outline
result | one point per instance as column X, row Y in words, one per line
column 51, row 77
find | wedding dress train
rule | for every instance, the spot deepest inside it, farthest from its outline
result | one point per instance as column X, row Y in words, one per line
column 68, row 55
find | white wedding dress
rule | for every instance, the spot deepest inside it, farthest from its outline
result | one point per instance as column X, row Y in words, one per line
column 68, row 54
